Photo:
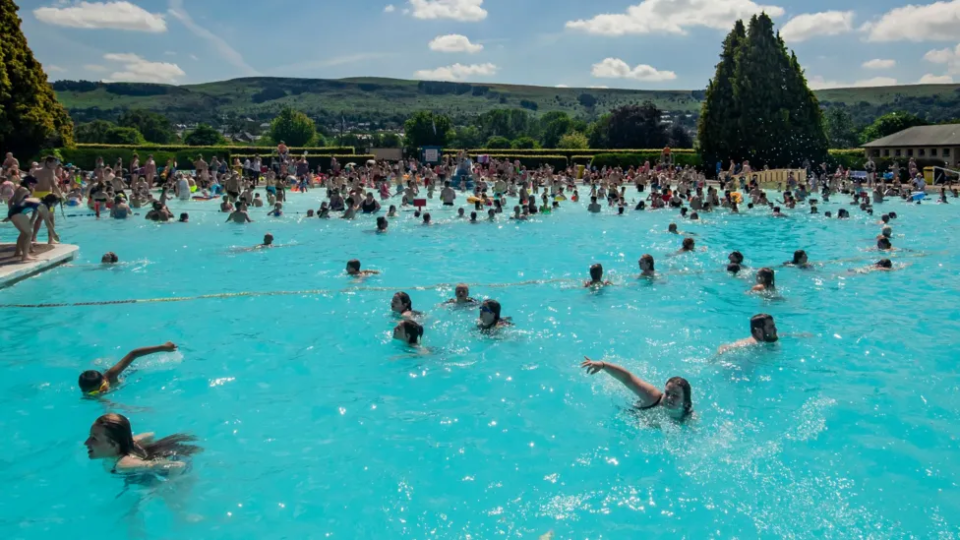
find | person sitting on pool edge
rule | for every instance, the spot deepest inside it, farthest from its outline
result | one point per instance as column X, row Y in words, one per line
column 596, row 277
column 762, row 330
column 490, row 316
column 111, row 437
column 799, row 260
column 94, row 383
column 675, row 397
column 647, row 266
column 462, row 296
column 409, row 331
column 402, row 305
column 353, row 269
column 765, row 281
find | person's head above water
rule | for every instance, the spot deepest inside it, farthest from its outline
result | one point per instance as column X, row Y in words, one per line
column 382, row 223
column 647, row 264
column 268, row 239
column 596, row 272
column 733, row 268
column 489, row 313
column 677, row 396
column 353, row 267
column 92, row 382
column 763, row 329
column 884, row 263
column 688, row 244
column 401, row 303
column 111, row 436
column 765, row 277
column 409, row 331
column 884, row 243
column 426, row 218
column 672, row 228
column 887, row 232
column 735, row 257
column 109, row 258
column 799, row 257
column 184, row 217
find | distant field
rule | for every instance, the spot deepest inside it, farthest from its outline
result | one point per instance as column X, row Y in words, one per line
column 391, row 100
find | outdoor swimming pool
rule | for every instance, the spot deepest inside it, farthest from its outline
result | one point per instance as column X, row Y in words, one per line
column 316, row 424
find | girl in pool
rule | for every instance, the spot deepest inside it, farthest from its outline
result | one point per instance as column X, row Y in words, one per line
column 490, row 316
column 765, row 281
column 675, row 398
column 402, row 305
column 408, row 331
column 111, row 438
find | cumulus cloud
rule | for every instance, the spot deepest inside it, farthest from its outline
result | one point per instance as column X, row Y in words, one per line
column 929, row 22
column 456, row 72
column 389, row 9
column 599, row 87
column 949, row 57
column 561, row 86
column 672, row 17
column 454, row 43
column 136, row 69
column 935, row 79
column 878, row 63
column 458, row 10
column 808, row 25
column 817, row 82
column 112, row 15
column 614, row 68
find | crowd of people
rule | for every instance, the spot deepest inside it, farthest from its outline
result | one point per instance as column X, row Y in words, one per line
column 351, row 191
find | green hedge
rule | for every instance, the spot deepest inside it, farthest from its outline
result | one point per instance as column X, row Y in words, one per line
column 569, row 152
column 85, row 155
column 225, row 149
column 527, row 160
column 324, row 161
column 637, row 159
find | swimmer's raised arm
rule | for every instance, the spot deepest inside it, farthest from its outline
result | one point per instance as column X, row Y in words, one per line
column 647, row 393
column 113, row 373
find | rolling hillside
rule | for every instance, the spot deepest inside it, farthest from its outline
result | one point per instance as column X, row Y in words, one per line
column 390, row 101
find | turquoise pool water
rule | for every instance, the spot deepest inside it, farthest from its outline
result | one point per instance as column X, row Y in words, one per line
column 316, row 424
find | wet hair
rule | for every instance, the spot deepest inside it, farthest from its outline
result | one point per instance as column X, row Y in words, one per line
column 765, row 276
column 735, row 257
column 90, row 381
column 649, row 259
column 382, row 222
column 776, row 209
column 813, row 209
column 184, row 216
column 353, row 264
column 884, row 263
column 828, row 214
column 596, row 272
column 413, row 329
column 494, row 308
column 426, row 217
column 268, row 239
column 733, row 268
column 620, row 210
column 404, row 299
column 893, row 215
column 118, row 430
column 672, row 227
column 694, row 215
column 473, row 216
column 884, row 243
column 797, row 255
column 687, row 399
column 885, row 218
column 109, row 257
column 688, row 244
column 758, row 322
column 886, row 231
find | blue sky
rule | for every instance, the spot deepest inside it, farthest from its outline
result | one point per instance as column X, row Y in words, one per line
column 667, row 44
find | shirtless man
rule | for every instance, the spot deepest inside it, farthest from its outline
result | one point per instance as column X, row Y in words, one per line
column 448, row 194
column 10, row 162
column 596, row 278
column 150, row 171
column 239, row 215
column 203, row 170
column 762, row 330
column 353, row 269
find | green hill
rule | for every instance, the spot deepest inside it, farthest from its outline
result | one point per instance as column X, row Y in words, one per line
column 390, row 101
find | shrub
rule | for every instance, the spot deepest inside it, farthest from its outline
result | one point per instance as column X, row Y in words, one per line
column 522, row 143
column 204, row 135
column 122, row 135
column 637, row 159
column 498, row 143
column 323, row 161
column 574, row 141
column 85, row 155
column 527, row 160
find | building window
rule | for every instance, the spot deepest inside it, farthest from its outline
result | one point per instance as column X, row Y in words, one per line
column 886, row 152
column 946, row 152
column 933, row 152
column 896, row 152
column 910, row 152
column 921, row 152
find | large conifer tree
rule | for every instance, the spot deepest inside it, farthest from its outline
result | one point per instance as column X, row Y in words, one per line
column 31, row 118
column 772, row 118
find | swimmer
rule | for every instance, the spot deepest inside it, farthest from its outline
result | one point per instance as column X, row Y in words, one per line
column 460, row 213
column 765, row 281
column 473, row 217
column 490, row 316
column 883, row 244
column 672, row 229
column 226, row 205
column 408, row 331
column 594, row 206
column 885, row 232
column 646, row 267
column 491, row 215
column 353, row 269
column 403, row 306
column 392, row 212
column 799, row 260
column 257, row 201
column 735, row 257
column 687, row 246
column 277, row 210
column 762, row 330
column 111, row 438
column 324, row 211
column 310, row 213
column 267, row 242
column 94, row 383
column 426, row 218
column 109, row 258
column 776, row 212
column 382, row 224
column 883, row 265
column 184, row 218
column 462, row 296
column 239, row 215
column 596, row 278
column 733, row 268
column 675, row 397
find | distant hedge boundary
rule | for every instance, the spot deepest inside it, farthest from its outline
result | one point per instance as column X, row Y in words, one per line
column 85, row 155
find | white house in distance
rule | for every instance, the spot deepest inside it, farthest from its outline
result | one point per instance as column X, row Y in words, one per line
column 921, row 142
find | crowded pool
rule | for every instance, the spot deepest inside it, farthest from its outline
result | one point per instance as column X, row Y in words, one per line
column 315, row 423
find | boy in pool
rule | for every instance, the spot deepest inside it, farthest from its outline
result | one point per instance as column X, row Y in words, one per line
column 596, row 278
column 762, row 330
column 94, row 383
column 353, row 269
column 462, row 296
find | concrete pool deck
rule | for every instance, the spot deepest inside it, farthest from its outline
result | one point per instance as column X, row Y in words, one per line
column 47, row 257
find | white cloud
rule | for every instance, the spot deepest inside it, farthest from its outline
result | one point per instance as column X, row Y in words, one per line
column 453, row 43
column 935, row 79
column 599, row 87
column 390, row 8
column 96, row 68
column 561, row 86
column 614, row 68
column 817, row 82
column 226, row 51
column 456, row 72
column 930, row 22
column 948, row 57
column 878, row 63
column 672, row 16
column 458, row 10
column 112, row 15
column 194, row 58
column 808, row 25
column 136, row 69
column 53, row 69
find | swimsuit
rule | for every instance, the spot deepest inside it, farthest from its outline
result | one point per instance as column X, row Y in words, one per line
column 19, row 208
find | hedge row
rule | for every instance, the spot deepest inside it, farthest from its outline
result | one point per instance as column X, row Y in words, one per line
column 527, row 160
column 566, row 152
column 637, row 159
column 226, row 150
column 324, row 161
column 85, row 156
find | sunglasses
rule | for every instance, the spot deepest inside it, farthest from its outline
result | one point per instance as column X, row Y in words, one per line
column 485, row 309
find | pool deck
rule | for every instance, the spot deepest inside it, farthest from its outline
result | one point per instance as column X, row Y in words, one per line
column 47, row 257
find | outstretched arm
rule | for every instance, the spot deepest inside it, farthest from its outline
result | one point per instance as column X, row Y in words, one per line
column 647, row 393
column 113, row 373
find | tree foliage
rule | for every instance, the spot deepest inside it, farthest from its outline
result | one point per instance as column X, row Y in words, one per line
column 466, row 137
column 509, row 123
column 497, row 142
column 122, row 135
column 841, row 133
column 758, row 105
column 635, row 126
column 93, row 132
column 680, row 137
column 891, row 123
column 293, row 128
column 154, row 127
column 204, row 135
column 31, row 118
column 574, row 141
column 524, row 143
column 425, row 128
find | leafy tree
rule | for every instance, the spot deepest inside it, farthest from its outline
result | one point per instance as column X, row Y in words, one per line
column 680, row 137
column 425, row 128
column 597, row 132
column 31, row 118
column 154, row 127
column 94, row 132
column 122, row 135
column 574, row 141
column 509, row 123
column 889, row 124
column 466, row 137
column 497, row 142
column 587, row 100
column 719, row 112
column 633, row 126
column 554, row 125
column 527, row 104
column 292, row 127
column 204, row 135
column 525, row 143
column 840, row 130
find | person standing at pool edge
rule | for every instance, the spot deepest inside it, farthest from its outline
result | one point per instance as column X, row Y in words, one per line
column 675, row 397
column 94, row 383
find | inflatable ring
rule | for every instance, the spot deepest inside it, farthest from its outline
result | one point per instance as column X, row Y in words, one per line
column 736, row 197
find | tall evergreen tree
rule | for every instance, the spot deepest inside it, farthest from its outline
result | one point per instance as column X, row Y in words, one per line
column 31, row 118
column 719, row 114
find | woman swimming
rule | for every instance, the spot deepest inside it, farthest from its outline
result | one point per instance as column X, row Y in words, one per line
column 675, row 397
column 111, row 438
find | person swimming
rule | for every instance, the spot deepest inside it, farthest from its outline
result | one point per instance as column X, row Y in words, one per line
column 403, row 306
column 353, row 269
column 675, row 399
column 596, row 277
column 765, row 280
column 762, row 330
column 647, row 266
column 408, row 331
column 94, row 383
column 462, row 296
column 109, row 258
column 490, row 316
column 799, row 260
column 111, row 438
